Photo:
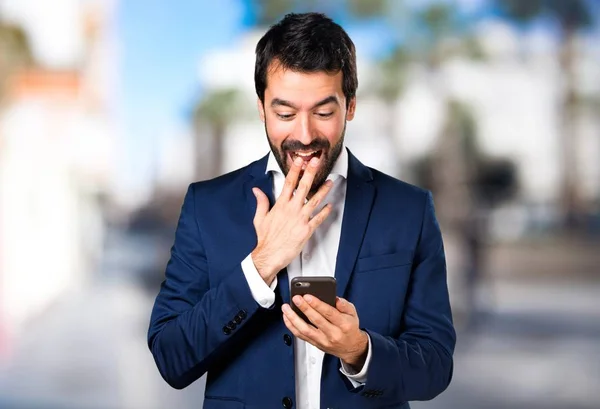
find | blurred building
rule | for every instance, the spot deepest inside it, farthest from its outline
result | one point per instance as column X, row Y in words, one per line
column 57, row 152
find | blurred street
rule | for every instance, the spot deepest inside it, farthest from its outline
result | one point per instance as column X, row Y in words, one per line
column 67, row 360
column 536, row 347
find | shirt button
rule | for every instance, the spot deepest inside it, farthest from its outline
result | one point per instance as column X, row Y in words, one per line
column 306, row 256
column 313, row 360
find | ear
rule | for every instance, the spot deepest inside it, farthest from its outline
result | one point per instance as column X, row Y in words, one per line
column 261, row 109
column 351, row 109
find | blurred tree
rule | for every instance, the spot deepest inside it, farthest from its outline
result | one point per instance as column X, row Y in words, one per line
column 471, row 184
column 270, row 11
column 15, row 54
column 215, row 111
column 439, row 36
column 388, row 86
column 571, row 16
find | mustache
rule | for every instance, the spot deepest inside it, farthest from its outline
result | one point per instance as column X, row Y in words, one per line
column 315, row 145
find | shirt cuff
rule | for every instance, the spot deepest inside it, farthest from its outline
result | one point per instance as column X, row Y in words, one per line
column 360, row 378
column 262, row 293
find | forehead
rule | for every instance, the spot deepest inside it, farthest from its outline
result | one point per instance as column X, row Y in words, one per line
column 302, row 87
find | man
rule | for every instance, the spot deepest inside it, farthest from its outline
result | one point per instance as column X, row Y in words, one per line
column 307, row 208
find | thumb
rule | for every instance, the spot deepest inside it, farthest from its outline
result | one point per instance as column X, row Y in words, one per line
column 262, row 205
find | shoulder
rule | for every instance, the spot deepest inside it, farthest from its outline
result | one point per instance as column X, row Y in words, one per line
column 395, row 189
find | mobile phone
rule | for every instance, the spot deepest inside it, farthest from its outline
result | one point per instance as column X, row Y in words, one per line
column 323, row 288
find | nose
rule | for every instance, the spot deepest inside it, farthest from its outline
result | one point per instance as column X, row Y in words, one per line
column 304, row 130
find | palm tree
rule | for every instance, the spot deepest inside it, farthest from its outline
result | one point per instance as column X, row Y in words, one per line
column 439, row 36
column 572, row 17
column 215, row 111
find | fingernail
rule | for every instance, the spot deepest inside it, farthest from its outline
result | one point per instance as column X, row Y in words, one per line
column 308, row 298
column 285, row 308
column 298, row 161
column 314, row 162
column 298, row 300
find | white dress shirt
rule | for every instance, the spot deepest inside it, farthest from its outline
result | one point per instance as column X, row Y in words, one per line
column 316, row 259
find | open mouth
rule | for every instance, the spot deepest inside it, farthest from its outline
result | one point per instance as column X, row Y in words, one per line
column 305, row 155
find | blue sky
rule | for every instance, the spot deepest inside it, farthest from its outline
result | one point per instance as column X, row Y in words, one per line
column 161, row 45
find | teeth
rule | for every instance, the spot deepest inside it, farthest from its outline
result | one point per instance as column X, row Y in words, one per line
column 305, row 154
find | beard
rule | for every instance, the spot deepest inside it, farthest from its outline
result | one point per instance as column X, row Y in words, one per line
column 329, row 155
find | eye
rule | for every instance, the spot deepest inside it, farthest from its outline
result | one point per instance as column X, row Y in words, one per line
column 284, row 117
column 324, row 114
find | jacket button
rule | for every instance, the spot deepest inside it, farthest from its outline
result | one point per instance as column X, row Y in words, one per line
column 242, row 314
column 287, row 402
column 287, row 339
column 226, row 330
column 237, row 319
column 231, row 325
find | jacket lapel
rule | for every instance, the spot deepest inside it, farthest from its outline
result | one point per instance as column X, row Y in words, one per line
column 258, row 178
column 360, row 193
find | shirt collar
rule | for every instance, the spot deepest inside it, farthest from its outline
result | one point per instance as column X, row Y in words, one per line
column 340, row 168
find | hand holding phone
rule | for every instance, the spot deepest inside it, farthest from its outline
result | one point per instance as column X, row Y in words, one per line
column 323, row 288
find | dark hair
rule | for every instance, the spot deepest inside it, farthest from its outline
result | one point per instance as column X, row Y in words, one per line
column 308, row 42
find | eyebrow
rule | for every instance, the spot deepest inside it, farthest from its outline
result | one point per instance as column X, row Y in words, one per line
column 282, row 102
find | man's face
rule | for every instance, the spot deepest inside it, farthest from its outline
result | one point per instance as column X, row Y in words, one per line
column 305, row 115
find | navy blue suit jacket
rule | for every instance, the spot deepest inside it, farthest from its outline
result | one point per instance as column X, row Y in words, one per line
column 390, row 264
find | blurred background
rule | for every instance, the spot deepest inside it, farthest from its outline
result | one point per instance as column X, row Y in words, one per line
column 110, row 108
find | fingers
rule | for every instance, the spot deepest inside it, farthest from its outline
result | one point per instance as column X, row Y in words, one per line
column 292, row 328
column 302, row 329
column 291, row 180
column 322, row 317
column 307, row 180
column 321, row 321
column 345, row 306
column 320, row 217
column 262, row 206
column 317, row 198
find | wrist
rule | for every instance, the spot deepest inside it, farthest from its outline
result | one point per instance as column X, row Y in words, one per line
column 264, row 270
column 357, row 358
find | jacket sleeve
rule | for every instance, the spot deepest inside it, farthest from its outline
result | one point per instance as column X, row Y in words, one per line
column 193, row 323
column 418, row 364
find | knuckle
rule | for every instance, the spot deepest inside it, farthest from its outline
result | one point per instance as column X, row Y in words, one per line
column 335, row 338
column 320, row 217
column 303, row 185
